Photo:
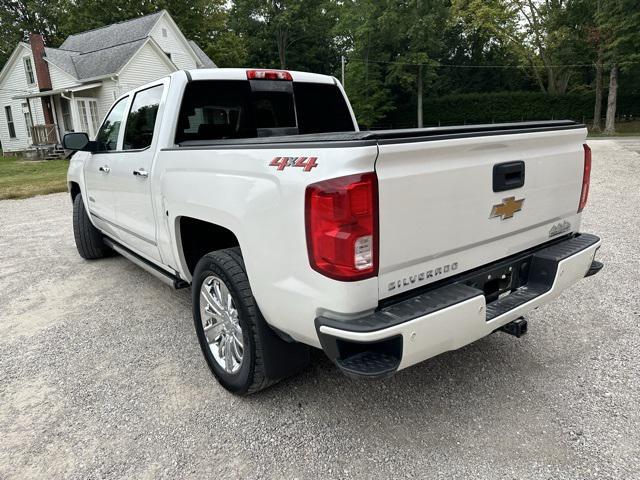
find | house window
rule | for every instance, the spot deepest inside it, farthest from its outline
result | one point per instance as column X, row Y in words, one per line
column 28, row 121
column 84, row 126
column 164, row 32
column 67, row 121
column 28, row 70
column 10, row 125
column 93, row 111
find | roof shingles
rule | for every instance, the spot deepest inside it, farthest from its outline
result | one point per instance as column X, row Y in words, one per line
column 115, row 34
column 104, row 51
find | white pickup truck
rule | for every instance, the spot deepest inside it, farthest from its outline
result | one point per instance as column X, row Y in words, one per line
column 294, row 229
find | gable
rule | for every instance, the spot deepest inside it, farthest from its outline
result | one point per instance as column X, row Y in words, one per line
column 171, row 40
column 59, row 78
column 148, row 64
column 15, row 65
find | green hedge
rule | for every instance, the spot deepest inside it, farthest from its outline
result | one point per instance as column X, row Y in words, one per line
column 516, row 106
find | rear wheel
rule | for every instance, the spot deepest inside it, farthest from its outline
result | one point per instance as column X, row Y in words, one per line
column 241, row 350
column 225, row 316
column 89, row 240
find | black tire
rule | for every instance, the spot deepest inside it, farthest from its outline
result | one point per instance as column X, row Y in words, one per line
column 262, row 347
column 89, row 240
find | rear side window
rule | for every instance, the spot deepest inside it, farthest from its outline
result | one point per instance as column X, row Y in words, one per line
column 321, row 108
column 228, row 109
column 142, row 118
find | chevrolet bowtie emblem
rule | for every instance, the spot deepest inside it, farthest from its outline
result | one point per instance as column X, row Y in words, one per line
column 507, row 208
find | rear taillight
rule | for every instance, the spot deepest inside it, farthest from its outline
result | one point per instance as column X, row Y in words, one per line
column 268, row 75
column 342, row 226
column 586, row 178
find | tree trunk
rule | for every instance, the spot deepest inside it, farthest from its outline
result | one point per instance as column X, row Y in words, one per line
column 610, row 123
column 597, row 111
column 281, row 40
column 420, row 119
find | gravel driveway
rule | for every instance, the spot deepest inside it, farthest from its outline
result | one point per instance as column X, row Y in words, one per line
column 101, row 375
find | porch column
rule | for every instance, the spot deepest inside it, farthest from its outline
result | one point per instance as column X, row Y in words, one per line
column 32, row 133
column 55, row 121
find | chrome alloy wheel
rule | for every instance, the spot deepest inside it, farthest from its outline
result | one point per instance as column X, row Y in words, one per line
column 221, row 325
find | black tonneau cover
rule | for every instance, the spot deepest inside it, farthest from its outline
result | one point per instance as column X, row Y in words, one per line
column 387, row 136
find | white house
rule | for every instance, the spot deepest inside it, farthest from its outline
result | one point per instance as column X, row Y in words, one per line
column 47, row 92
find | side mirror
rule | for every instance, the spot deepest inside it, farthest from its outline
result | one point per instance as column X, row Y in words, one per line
column 78, row 141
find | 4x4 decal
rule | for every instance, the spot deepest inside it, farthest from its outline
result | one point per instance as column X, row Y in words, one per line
column 306, row 163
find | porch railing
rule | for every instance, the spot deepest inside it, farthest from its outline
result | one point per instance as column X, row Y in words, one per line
column 44, row 134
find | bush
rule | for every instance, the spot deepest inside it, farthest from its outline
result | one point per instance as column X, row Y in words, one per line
column 519, row 106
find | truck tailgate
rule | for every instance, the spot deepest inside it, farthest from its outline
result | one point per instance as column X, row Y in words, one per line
column 440, row 215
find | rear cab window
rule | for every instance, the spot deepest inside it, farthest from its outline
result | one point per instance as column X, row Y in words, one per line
column 235, row 109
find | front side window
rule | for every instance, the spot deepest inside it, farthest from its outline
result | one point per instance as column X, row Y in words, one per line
column 10, row 125
column 107, row 137
column 142, row 118
column 28, row 70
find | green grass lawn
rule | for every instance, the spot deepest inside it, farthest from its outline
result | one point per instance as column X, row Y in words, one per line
column 20, row 178
column 623, row 129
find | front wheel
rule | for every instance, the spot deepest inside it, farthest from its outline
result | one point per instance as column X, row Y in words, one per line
column 89, row 240
column 243, row 353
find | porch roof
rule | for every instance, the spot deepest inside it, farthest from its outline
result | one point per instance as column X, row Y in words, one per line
column 74, row 88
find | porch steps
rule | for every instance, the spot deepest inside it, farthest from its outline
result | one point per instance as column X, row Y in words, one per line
column 56, row 153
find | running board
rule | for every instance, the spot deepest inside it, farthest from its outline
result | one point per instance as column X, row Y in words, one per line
column 166, row 277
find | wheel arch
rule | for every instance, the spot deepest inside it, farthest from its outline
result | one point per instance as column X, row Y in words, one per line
column 196, row 237
column 74, row 190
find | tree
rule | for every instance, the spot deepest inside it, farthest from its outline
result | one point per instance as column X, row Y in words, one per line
column 20, row 17
column 418, row 45
column 288, row 33
column 546, row 34
column 367, row 30
column 619, row 22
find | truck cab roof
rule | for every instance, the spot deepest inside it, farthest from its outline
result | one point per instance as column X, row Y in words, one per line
column 241, row 74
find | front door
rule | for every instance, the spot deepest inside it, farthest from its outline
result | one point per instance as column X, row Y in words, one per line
column 98, row 178
column 88, row 114
column 131, row 170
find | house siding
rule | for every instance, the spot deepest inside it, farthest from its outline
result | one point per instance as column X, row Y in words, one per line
column 60, row 79
column 15, row 83
column 180, row 53
column 144, row 67
column 106, row 95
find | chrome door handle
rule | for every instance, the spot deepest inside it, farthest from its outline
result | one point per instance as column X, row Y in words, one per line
column 141, row 173
column 104, row 169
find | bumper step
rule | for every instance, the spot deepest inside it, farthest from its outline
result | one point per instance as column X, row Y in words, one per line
column 369, row 364
column 594, row 268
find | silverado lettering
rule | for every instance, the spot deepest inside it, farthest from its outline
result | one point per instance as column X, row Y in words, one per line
column 422, row 276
